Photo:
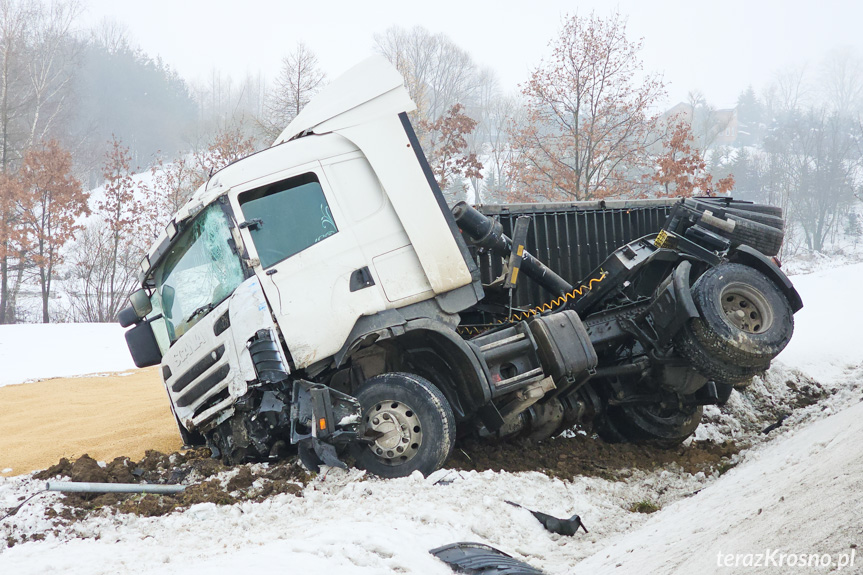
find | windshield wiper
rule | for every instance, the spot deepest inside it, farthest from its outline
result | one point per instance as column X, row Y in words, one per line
column 203, row 309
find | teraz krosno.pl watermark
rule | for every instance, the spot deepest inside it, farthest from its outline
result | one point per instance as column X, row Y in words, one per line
column 777, row 558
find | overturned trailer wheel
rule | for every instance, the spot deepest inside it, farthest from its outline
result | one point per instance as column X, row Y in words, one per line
column 409, row 426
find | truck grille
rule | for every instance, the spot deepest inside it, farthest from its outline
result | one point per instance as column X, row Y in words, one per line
column 196, row 370
column 202, row 386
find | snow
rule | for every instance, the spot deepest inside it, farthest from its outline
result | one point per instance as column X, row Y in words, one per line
column 795, row 490
column 37, row 351
column 347, row 522
column 827, row 330
column 797, row 495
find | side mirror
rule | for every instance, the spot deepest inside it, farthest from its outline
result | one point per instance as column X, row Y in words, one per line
column 139, row 309
column 143, row 345
column 168, row 301
column 127, row 317
column 141, row 303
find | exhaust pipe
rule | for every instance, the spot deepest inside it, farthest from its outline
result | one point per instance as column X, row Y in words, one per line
column 488, row 233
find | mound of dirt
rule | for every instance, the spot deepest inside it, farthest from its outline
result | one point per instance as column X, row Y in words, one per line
column 567, row 457
column 208, row 480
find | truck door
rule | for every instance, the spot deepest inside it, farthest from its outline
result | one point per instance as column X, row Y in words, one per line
column 312, row 269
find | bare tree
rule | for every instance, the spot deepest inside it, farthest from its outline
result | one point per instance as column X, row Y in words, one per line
column 438, row 73
column 498, row 115
column 300, row 78
column 815, row 162
column 226, row 104
column 589, row 119
column 440, row 77
column 788, row 91
column 95, row 267
column 50, row 66
column 112, row 34
column 706, row 123
column 37, row 50
column 120, row 212
column 842, row 81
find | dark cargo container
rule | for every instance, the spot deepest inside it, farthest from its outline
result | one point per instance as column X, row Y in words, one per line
column 573, row 238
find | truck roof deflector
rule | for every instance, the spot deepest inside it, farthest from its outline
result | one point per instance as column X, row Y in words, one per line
column 373, row 83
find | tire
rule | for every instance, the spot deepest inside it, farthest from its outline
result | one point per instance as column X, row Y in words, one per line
column 745, row 321
column 765, row 219
column 711, row 367
column 769, row 220
column 647, row 423
column 427, row 423
column 746, row 207
column 765, row 239
column 651, row 423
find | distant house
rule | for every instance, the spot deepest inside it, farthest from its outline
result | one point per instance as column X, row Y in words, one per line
column 711, row 127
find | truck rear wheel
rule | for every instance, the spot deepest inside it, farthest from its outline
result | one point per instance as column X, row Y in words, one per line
column 410, row 423
column 666, row 426
column 711, row 367
column 745, row 320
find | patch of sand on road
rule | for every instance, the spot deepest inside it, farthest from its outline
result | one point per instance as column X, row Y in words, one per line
column 105, row 416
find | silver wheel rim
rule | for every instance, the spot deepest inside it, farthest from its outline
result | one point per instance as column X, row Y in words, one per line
column 746, row 308
column 398, row 429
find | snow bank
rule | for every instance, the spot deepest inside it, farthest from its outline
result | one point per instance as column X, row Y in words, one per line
column 797, row 495
column 345, row 522
column 827, row 330
column 38, row 351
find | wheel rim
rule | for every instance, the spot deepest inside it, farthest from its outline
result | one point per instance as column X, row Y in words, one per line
column 397, row 429
column 746, row 308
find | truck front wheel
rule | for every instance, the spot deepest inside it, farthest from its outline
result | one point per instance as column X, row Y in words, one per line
column 409, row 423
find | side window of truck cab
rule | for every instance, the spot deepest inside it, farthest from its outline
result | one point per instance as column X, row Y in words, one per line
column 286, row 217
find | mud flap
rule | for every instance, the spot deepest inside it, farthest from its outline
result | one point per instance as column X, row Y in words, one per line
column 674, row 306
column 755, row 259
column 322, row 419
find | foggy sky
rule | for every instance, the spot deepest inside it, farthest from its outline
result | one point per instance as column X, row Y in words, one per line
column 716, row 47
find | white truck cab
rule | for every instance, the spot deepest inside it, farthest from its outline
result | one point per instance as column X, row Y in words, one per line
column 286, row 261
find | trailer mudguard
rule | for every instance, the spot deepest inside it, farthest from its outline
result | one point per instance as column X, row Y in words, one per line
column 753, row 258
column 674, row 306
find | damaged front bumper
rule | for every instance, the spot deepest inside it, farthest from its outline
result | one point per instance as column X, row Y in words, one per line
column 323, row 422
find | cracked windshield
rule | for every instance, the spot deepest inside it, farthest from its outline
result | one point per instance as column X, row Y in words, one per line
column 200, row 271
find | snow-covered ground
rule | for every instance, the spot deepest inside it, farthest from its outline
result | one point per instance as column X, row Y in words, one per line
column 793, row 505
column 37, row 351
column 796, row 491
column 827, row 331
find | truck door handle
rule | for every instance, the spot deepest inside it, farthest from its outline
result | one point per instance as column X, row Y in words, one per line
column 252, row 224
column 361, row 279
